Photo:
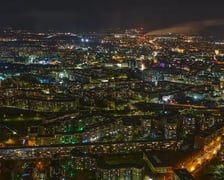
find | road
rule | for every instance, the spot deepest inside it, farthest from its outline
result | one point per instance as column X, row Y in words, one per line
column 193, row 163
column 34, row 152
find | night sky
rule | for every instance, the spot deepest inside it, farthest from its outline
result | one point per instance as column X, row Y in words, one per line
column 96, row 15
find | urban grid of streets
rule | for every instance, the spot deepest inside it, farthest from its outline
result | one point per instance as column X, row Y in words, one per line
column 104, row 105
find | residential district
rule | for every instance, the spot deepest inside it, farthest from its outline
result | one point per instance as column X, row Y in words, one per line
column 117, row 104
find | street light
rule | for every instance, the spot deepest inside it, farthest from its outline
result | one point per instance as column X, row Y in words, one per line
column 192, row 168
column 142, row 69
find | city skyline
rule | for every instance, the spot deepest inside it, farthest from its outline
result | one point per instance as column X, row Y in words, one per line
column 78, row 105
column 129, row 89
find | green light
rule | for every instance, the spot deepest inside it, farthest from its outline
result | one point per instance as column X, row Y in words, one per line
column 81, row 128
column 72, row 174
column 74, row 140
column 18, row 176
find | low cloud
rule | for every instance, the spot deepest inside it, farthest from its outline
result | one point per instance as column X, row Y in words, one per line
column 189, row 27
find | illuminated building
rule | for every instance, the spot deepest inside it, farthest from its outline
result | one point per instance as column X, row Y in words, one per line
column 135, row 173
column 163, row 163
column 206, row 139
column 146, row 126
column 131, row 127
column 156, row 164
column 103, row 170
column 128, row 133
column 170, row 129
column 59, row 135
column 55, row 169
column 209, row 121
column 188, row 124
column 29, row 171
column 83, row 160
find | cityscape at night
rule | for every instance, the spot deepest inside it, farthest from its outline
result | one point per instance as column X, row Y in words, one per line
column 123, row 90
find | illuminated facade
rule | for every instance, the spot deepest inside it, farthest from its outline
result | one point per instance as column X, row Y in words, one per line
column 104, row 171
column 170, row 129
column 120, row 173
column 188, row 124
column 156, row 165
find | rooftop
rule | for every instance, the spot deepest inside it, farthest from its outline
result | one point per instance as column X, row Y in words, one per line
column 167, row 158
column 183, row 174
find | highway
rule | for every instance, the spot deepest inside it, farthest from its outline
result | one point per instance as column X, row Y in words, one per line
column 195, row 162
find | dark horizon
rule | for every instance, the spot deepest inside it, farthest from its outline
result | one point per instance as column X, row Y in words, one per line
column 77, row 15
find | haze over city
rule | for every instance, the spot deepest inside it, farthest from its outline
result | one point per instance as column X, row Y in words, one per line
column 96, row 15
